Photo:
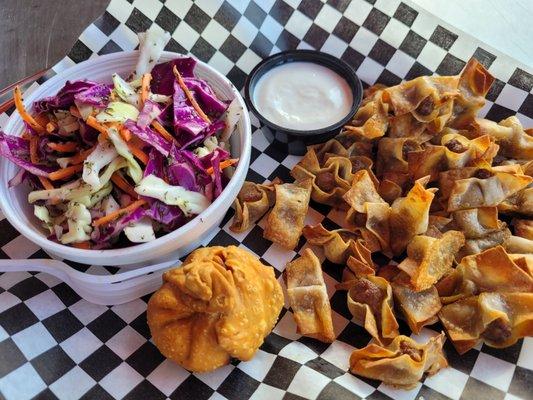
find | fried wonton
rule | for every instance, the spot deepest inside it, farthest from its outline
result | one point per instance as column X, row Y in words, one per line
column 498, row 319
column 360, row 259
column 402, row 363
column 221, row 303
column 474, row 84
column 337, row 244
column 308, row 297
column 393, row 154
column 485, row 187
column 481, row 227
column 455, row 151
column 370, row 302
column 420, row 308
column 252, row 203
column 362, row 191
column 429, row 259
column 515, row 141
column 371, row 120
column 409, row 216
column 330, row 181
column 286, row 220
column 490, row 271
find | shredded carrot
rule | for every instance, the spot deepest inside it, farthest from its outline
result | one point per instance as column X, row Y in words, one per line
column 137, row 152
column 125, row 133
column 223, row 164
column 46, row 183
column 74, row 111
column 119, row 180
column 51, row 127
column 145, row 86
column 162, row 131
column 80, row 157
column 26, row 136
column 65, row 172
column 82, row 245
column 34, row 149
column 190, row 96
column 63, row 147
column 93, row 123
column 24, row 114
column 119, row 213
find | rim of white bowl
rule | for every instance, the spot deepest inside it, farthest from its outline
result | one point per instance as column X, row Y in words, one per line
column 142, row 251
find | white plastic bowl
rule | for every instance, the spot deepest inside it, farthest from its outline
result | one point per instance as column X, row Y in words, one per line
column 173, row 245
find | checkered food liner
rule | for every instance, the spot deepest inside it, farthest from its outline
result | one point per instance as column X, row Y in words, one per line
column 53, row 344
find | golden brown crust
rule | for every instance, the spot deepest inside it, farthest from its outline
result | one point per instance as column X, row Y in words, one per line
column 219, row 304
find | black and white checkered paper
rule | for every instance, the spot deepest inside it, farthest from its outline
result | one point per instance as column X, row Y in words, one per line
column 53, row 344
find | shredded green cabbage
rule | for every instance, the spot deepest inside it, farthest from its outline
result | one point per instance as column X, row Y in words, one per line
column 104, row 153
column 79, row 224
column 117, row 111
column 189, row 202
column 134, row 169
column 140, row 231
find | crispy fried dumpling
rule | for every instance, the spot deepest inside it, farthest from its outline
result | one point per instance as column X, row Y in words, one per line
column 337, row 244
column 308, row 297
column 330, row 181
column 252, row 203
column 515, row 142
column 371, row 120
column 370, row 302
column 402, row 363
column 455, row 151
column 429, row 259
column 221, row 303
column 498, row 319
column 482, row 229
column 362, row 191
column 409, row 216
column 286, row 220
column 419, row 308
column 485, row 188
column 393, row 155
column 474, row 84
column 490, row 271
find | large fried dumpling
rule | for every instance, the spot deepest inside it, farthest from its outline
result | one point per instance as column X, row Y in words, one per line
column 221, row 303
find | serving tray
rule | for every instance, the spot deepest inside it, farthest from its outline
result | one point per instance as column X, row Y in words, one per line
column 53, row 344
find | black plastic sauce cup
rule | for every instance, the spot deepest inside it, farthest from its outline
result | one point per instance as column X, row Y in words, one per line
column 295, row 141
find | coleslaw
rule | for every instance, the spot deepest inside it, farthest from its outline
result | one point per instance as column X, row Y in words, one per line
column 125, row 162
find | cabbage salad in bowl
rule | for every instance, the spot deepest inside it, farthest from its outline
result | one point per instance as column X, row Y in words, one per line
column 141, row 156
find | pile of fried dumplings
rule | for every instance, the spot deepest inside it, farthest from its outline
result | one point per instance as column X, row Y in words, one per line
column 445, row 195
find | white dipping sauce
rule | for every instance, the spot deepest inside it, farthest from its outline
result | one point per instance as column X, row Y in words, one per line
column 302, row 96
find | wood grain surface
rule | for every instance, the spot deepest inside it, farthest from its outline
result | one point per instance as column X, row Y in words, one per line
column 35, row 34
